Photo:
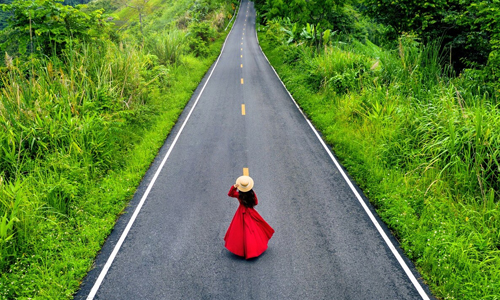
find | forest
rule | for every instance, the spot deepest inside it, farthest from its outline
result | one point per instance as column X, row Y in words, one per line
column 406, row 93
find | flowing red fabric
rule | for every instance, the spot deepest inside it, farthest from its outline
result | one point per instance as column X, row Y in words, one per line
column 248, row 233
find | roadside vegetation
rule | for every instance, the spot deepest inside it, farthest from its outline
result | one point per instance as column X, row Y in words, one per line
column 86, row 100
column 412, row 112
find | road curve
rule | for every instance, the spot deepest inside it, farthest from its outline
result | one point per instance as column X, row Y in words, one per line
column 169, row 244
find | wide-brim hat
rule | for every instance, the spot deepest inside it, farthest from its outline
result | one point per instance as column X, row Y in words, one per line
column 245, row 183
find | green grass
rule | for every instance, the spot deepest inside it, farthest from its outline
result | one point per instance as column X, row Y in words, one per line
column 63, row 223
column 78, row 132
column 422, row 145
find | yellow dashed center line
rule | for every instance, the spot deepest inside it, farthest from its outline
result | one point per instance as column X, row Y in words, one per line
column 243, row 109
column 245, row 172
column 241, row 66
column 241, row 80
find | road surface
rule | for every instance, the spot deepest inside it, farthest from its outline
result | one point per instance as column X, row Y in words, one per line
column 169, row 244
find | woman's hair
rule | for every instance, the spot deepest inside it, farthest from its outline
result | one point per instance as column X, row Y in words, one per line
column 247, row 198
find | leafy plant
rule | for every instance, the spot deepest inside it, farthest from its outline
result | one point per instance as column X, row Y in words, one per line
column 10, row 201
column 312, row 21
column 47, row 26
column 199, row 36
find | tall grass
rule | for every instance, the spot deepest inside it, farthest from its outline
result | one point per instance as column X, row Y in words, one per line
column 62, row 125
column 421, row 143
column 167, row 46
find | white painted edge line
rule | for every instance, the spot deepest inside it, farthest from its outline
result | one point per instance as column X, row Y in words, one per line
column 403, row 264
column 118, row 245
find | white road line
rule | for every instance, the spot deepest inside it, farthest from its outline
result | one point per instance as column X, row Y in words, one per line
column 403, row 264
column 118, row 245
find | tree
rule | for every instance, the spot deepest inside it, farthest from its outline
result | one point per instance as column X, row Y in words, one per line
column 75, row 2
column 466, row 26
column 47, row 26
column 4, row 15
column 408, row 15
column 487, row 17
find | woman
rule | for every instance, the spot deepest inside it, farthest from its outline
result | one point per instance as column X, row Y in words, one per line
column 248, row 233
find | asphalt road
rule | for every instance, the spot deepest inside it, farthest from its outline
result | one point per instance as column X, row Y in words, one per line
column 326, row 245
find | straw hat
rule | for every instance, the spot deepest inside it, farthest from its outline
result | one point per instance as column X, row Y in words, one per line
column 245, row 183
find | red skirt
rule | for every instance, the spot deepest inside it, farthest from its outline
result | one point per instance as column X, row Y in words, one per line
column 248, row 233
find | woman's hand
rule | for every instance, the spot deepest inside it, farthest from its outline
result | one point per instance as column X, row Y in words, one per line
column 236, row 186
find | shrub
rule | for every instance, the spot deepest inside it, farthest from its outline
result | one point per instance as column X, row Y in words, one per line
column 199, row 36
